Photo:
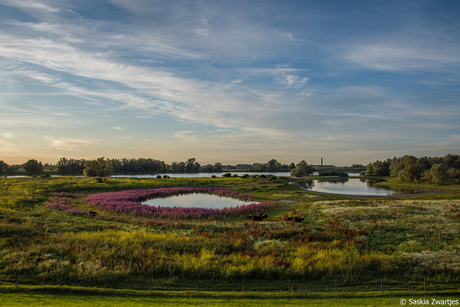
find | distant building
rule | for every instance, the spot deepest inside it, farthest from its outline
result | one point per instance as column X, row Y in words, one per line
column 323, row 166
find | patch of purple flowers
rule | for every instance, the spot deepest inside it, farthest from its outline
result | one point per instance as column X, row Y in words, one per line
column 60, row 204
column 63, row 194
column 131, row 202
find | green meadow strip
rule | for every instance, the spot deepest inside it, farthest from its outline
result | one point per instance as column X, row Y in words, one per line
column 79, row 296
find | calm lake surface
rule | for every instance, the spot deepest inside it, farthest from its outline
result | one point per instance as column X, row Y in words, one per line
column 196, row 201
column 195, row 175
column 352, row 186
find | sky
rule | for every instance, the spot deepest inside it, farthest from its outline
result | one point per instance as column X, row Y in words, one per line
column 229, row 81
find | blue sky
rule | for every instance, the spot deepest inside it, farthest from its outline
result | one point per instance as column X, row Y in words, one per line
column 229, row 81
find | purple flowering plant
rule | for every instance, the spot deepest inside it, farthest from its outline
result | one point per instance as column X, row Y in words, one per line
column 130, row 202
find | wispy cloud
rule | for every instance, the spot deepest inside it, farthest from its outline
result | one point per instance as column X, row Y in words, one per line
column 186, row 99
column 29, row 4
column 8, row 147
column 69, row 143
column 238, row 76
column 399, row 58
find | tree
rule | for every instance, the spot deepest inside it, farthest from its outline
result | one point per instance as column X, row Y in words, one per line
column 218, row 167
column 397, row 165
column 72, row 166
column 425, row 163
column 302, row 168
column 208, row 168
column 454, row 173
column 292, row 165
column 450, row 159
column 298, row 172
column 439, row 173
column 189, row 165
column 273, row 165
column 33, row 167
column 259, row 167
column 98, row 168
column 307, row 168
column 181, row 167
column 173, row 167
column 411, row 171
column 3, row 167
column 62, row 165
column 379, row 168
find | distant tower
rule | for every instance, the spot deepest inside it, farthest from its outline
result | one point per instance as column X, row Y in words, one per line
column 321, row 161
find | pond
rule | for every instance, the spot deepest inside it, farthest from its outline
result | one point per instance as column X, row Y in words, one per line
column 353, row 186
column 197, row 200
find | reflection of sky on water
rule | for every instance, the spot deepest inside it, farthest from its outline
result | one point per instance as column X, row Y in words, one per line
column 193, row 175
column 352, row 187
column 196, row 201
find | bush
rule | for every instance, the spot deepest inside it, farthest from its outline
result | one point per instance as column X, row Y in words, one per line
column 333, row 173
column 226, row 175
column 272, row 177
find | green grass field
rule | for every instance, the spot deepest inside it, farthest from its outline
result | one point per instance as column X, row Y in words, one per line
column 355, row 242
column 69, row 296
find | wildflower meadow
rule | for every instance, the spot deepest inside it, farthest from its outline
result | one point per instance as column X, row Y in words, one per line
column 83, row 232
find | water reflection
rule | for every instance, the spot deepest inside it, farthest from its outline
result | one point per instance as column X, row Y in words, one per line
column 346, row 186
column 196, row 200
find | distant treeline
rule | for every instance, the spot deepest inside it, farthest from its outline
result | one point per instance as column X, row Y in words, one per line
column 412, row 169
column 137, row 166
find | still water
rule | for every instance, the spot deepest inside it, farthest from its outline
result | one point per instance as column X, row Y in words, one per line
column 195, row 175
column 197, row 201
column 352, row 186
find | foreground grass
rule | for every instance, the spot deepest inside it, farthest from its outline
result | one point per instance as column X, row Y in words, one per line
column 76, row 296
column 354, row 241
